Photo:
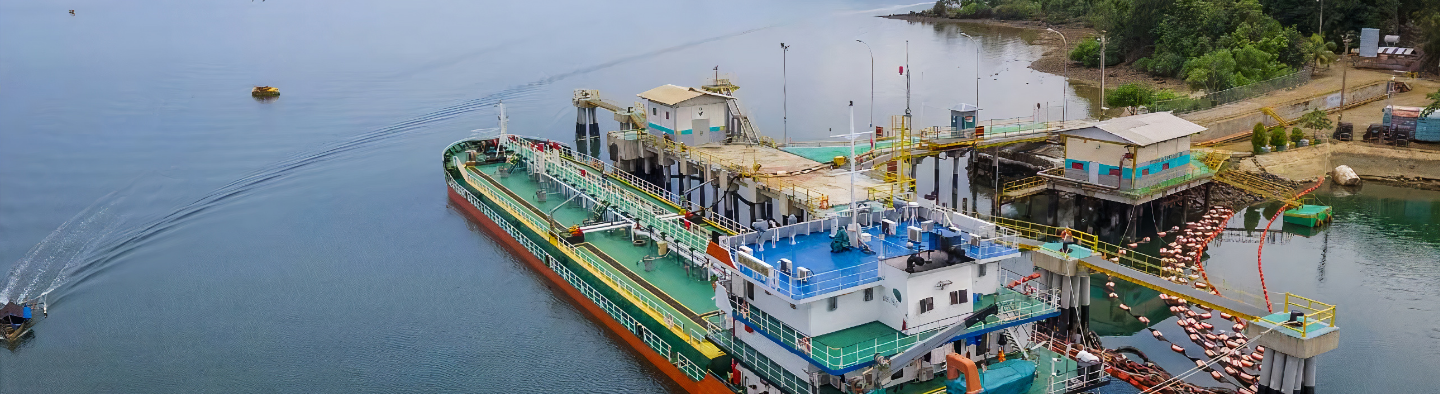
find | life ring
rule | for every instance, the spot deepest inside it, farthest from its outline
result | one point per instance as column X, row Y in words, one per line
column 824, row 202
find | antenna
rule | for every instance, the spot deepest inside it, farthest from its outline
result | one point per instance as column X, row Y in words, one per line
column 854, row 211
column 503, row 120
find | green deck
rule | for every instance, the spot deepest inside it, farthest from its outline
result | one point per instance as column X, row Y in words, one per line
column 1308, row 215
column 669, row 275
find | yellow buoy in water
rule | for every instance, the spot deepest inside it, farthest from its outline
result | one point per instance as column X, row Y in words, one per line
column 265, row 91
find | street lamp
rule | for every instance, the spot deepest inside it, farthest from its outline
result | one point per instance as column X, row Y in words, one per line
column 784, row 93
column 977, row 75
column 872, row 84
column 1064, row 91
column 1102, row 75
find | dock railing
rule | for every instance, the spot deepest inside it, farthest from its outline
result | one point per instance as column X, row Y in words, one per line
column 1315, row 312
column 691, row 370
column 814, row 201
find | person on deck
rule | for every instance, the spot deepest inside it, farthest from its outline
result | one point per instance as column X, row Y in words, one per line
column 1065, row 241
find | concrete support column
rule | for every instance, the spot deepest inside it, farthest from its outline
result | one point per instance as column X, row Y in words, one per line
column 1307, row 382
column 1276, row 371
column 1067, row 306
column 1084, row 299
column 955, row 183
column 1266, row 366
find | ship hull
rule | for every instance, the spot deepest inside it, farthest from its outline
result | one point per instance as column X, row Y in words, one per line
column 709, row 384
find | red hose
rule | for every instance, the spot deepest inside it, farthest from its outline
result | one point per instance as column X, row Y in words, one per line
column 1263, row 289
column 1262, row 243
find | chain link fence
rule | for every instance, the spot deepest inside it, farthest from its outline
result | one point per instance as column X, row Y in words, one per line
column 1227, row 96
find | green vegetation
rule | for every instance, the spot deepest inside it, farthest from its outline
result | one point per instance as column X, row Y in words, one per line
column 1136, row 94
column 1434, row 103
column 1258, row 138
column 1220, row 44
column 1088, row 53
column 1277, row 137
column 1315, row 120
column 1296, row 135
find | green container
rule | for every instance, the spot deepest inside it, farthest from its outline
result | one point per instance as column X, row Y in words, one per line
column 1308, row 215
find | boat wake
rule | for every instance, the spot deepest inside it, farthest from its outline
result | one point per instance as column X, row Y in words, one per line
column 95, row 237
column 44, row 267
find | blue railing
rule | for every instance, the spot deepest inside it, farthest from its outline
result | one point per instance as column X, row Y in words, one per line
column 817, row 283
column 986, row 248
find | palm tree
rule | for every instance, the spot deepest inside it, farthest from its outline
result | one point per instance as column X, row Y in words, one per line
column 1318, row 52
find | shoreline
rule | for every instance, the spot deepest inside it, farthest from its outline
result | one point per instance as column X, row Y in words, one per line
column 1057, row 52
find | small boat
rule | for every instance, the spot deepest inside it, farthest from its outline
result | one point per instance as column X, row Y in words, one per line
column 265, row 91
column 15, row 322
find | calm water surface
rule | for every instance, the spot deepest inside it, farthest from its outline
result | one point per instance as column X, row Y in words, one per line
column 193, row 238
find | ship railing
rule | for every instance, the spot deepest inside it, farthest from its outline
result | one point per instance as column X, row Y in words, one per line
column 980, row 248
column 690, row 330
column 798, row 288
column 645, row 212
column 721, row 335
column 655, row 342
column 1013, row 306
column 654, row 190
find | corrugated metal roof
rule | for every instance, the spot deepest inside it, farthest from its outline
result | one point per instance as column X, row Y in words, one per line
column 1147, row 129
column 1396, row 51
column 671, row 94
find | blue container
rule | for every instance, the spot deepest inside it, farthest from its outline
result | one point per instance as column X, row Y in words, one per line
column 1427, row 129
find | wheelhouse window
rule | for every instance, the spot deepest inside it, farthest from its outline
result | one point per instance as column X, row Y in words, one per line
column 958, row 297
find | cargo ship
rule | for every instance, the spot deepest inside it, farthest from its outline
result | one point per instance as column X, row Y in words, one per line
column 863, row 296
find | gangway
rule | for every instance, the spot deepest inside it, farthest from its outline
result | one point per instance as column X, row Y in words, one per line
column 630, row 118
column 1260, row 186
column 1132, row 266
column 1023, row 188
column 1278, row 119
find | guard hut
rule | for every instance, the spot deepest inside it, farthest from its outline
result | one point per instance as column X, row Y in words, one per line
column 963, row 117
column 689, row 115
column 1131, row 160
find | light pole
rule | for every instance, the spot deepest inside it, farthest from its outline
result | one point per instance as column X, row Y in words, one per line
column 1322, row 19
column 872, row 85
column 1064, row 90
column 1103, row 108
column 784, row 92
column 977, row 76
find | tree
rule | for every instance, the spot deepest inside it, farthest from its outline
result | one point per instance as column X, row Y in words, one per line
column 1317, row 52
column 1277, row 137
column 1213, row 72
column 1130, row 95
column 1428, row 23
column 1315, row 120
column 1258, row 138
column 1296, row 135
column 1434, row 104
column 1087, row 52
